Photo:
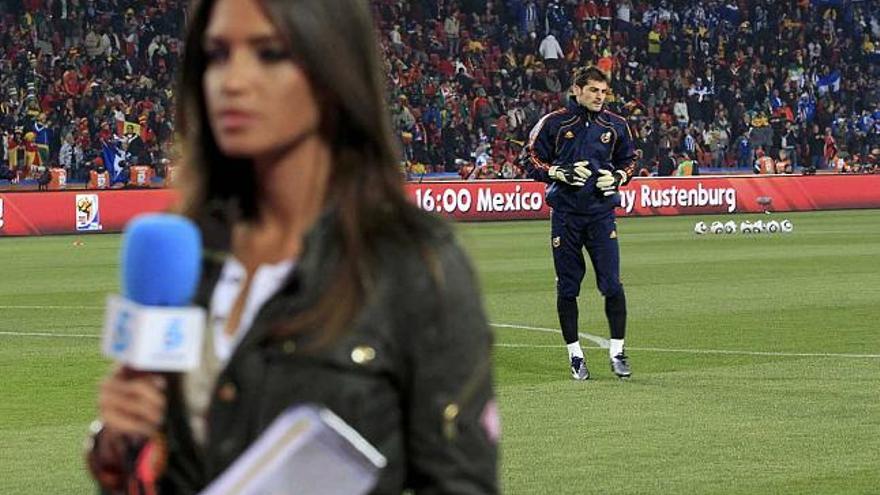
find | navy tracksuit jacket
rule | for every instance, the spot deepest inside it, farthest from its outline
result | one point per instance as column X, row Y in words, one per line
column 582, row 216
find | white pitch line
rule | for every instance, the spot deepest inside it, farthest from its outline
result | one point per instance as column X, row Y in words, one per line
column 599, row 341
column 759, row 353
column 604, row 344
column 527, row 346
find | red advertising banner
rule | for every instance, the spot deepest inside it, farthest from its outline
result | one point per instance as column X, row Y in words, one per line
column 503, row 200
column 63, row 212
column 32, row 213
column 749, row 194
column 482, row 200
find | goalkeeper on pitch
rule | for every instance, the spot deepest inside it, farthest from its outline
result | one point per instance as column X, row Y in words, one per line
column 585, row 153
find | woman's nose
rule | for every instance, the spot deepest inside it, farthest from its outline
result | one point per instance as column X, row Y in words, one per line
column 238, row 74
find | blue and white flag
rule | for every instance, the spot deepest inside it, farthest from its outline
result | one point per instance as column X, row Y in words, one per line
column 829, row 82
column 113, row 157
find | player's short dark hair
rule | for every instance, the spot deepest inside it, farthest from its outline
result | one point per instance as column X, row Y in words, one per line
column 582, row 75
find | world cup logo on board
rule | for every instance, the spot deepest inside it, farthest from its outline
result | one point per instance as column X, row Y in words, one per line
column 88, row 213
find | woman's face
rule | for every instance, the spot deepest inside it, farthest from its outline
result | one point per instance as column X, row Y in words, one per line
column 258, row 99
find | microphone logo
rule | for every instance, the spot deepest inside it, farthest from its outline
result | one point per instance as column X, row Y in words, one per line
column 121, row 332
column 173, row 338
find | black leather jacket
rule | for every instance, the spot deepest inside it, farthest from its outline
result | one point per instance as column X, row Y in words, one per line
column 425, row 399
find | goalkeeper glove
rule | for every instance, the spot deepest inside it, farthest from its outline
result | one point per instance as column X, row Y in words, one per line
column 576, row 175
column 609, row 182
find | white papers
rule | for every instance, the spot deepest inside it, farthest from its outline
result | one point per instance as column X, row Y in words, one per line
column 306, row 450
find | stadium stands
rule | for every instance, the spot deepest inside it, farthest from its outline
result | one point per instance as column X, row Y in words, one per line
column 86, row 79
column 719, row 80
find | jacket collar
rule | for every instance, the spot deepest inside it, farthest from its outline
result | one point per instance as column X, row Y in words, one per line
column 306, row 282
column 581, row 111
column 319, row 248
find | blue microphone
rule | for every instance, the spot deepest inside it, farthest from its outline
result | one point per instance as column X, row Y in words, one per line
column 160, row 262
column 152, row 327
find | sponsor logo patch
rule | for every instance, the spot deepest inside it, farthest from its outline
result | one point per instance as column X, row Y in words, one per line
column 569, row 135
column 556, row 241
column 605, row 137
column 613, row 234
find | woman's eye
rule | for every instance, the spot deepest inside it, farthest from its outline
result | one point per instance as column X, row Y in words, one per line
column 273, row 54
column 216, row 54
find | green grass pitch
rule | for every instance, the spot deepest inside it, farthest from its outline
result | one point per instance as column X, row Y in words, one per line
column 756, row 360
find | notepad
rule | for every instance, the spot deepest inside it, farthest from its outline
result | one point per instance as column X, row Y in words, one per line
column 306, row 450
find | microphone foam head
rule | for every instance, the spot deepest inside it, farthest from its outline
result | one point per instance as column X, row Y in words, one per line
column 161, row 260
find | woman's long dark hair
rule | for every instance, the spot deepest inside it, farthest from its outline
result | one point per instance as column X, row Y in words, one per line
column 335, row 42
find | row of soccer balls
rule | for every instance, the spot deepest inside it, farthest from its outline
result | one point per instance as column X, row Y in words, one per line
column 745, row 227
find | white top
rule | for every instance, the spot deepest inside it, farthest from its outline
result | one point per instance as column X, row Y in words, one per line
column 218, row 346
column 267, row 280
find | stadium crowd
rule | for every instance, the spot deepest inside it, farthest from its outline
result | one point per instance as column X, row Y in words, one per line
column 762, row 85
column 87, row 82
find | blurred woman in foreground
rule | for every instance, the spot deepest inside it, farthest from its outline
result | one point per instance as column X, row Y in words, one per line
column 322, row 282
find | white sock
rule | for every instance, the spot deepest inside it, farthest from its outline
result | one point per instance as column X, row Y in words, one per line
column 574, row 349
column 615, row 347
